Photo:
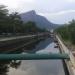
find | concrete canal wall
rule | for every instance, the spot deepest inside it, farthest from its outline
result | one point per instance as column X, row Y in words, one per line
column 14, row 43
column 70, row 63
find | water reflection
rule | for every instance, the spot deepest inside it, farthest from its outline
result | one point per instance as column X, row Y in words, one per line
column 5, row 65
column 42, row 45
column 28, row 48
column 39, row 45
column 41, row 67
column 36, row 67
column 15, row 64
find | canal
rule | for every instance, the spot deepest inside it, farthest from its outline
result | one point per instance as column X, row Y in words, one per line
column 34, row 67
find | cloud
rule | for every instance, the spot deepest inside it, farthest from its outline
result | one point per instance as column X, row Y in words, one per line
column 52, row 9
column 29, row 1
column 15, row 3
column 9, row 3
column 18, row 5
column 70, row 1
column 60, row 17
column 58, row 13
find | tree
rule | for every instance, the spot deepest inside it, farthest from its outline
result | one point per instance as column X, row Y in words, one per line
column 16, row 23
column 12, row 23
column 3, row 18
column 67, row 32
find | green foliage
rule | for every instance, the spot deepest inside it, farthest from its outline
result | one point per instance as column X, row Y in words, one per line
column 67, row 31
column 3, row 18
column 12, row 23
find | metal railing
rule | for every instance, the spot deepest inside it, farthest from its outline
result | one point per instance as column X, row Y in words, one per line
column 33, row 56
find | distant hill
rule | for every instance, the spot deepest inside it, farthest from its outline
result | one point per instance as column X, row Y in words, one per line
column 41, row 21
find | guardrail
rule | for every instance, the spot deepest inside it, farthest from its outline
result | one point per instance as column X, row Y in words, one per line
column 33, row 56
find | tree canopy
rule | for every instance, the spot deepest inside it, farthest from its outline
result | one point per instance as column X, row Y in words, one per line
column 67, row 31
column 12, row 23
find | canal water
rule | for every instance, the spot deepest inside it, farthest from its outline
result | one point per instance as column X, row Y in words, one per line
column 35, row 67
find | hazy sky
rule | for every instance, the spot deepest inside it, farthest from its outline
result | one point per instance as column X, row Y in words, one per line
column 57, row 11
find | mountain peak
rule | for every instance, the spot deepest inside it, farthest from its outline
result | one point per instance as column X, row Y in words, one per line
column 40, row 21
column 32, row 12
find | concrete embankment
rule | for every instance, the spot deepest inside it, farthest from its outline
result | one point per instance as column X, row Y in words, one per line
column 14, row 43
column 70, row 63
